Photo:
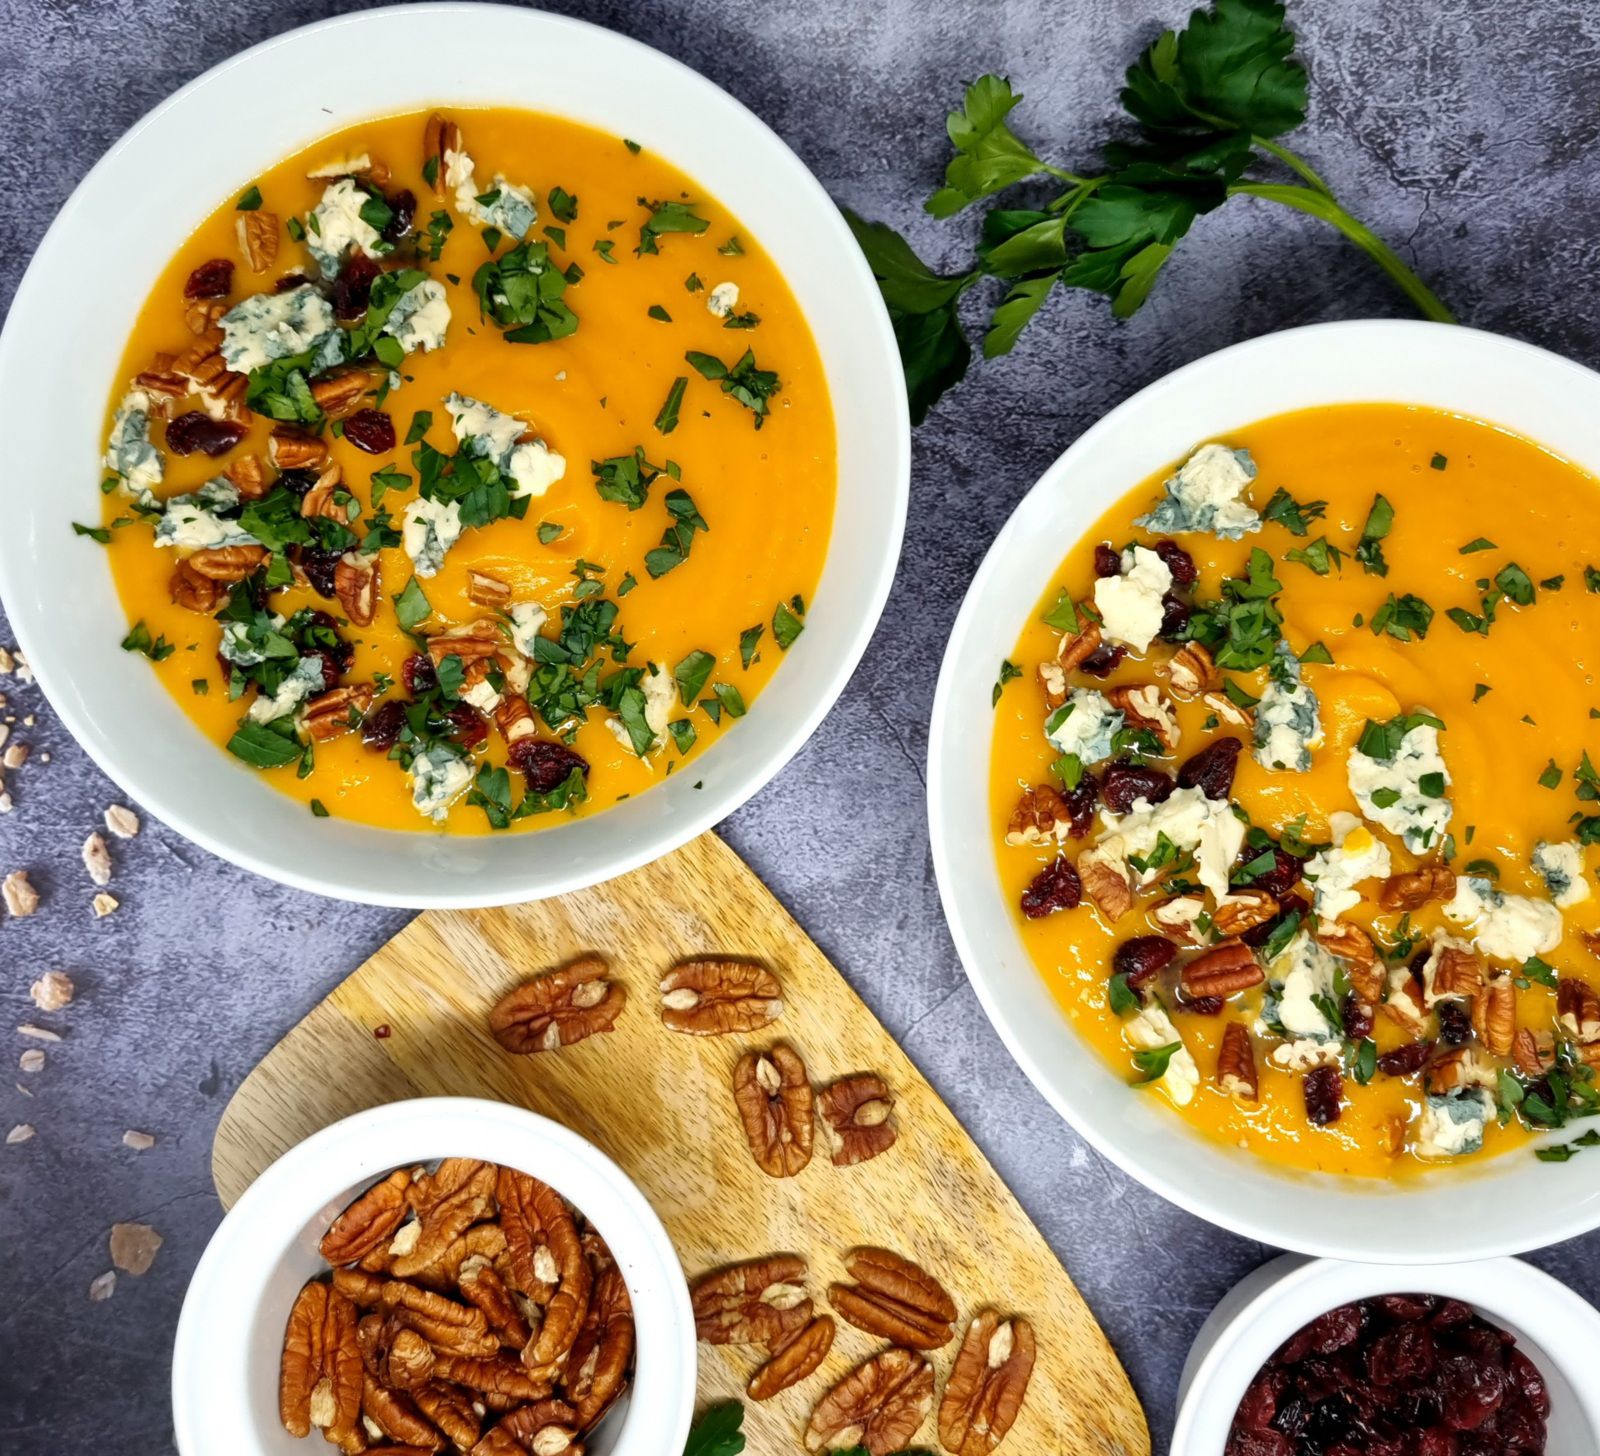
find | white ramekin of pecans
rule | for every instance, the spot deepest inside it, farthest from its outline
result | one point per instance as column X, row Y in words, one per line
column 433, row 1270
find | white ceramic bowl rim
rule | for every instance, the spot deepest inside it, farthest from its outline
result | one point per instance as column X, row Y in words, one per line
column 1501, row 1205
column 225, row 1360
column 162, row 176
column 1555, row 1327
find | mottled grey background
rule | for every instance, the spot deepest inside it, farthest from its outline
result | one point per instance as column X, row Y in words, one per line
column 1465, row 133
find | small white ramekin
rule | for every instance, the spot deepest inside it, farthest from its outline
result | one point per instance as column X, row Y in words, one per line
column 230, row 1334
column 1556, row 1329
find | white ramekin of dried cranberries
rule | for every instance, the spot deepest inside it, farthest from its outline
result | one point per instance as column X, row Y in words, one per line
column 1316, row 1357
column 231, row 1335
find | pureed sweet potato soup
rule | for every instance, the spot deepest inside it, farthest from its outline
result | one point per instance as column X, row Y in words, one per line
column 490, row 468
column 1293, row 789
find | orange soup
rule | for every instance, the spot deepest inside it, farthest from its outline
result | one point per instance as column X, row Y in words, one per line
column 1292, row 787
column 490, row 469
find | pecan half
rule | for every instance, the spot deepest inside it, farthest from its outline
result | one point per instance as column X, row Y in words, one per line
column 1578, row 1009
column 1075, row 647
column 1243, row 910
column 367, row 1222
column 293, row 449
column 763, row 1302
column 338, row 395
column 204, row 314
column 987, row 1384
column 336, row 1399
column 1192, row 671
column 258, row 238
column 193, row 591
column 440, row 137
column 1451, row 1068
column 334, row 713
column 858, row 1118
column 475, row 641
column 1534, row 1053
column 445, row 1220
column 1236, row 1064
column 396, row 1417
column 1494, row 1014
column 773, row 1096
column 227, row 563
column 1355, row 948
column 559, row 1008
column 534, row 1216
column 301, row 1365
column 482, row 1287
column 895, row 1299
column 1146, row 707
column 410, row 1360
column 792, row 1361
column 451, row 1411
column 713, row 996
column 1176, row 918
column 546, row 1428
column 597, row 1368
column 487, row 590
column 356, row 583
column 1227, row 711
column 442, row 1322
column 880, row 1405
column 490, row 1375
column 1222, row 971
column 1456, row 972
column 1105, row 880
column 328, row 499
column 249, row 476
column 1041, row 817
column 1413, row 890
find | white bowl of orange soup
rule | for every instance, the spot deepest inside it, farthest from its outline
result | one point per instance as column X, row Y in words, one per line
column 1331, row 985
column 587, row 506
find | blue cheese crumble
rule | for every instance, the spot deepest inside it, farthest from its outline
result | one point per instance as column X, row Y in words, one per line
column 527, row 618
column 1453, row 1122
column 1560, row 866
column 438, row 779
column 194, row 522
column 419, row 317
column 1129, row 603
column 1504, row 927
column 530, row 466
column 1150, row 1031
column 130, row 455
column 1356, row 854
column 335, row 227
column 722, row 300
column 268, row 326
column 306, row 681
column 511, row 209
column 1084, row 726
column 1301, row 979
column 659, row 692
column 428, row 529
column 1189, row 823
column 1395, row 793
column 1207, row 493
column 1287, row 719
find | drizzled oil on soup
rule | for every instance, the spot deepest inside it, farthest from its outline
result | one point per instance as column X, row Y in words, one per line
column 1293, row 790
column 467, row 470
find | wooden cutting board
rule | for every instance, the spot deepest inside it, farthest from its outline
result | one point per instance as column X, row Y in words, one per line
column 660, row 1104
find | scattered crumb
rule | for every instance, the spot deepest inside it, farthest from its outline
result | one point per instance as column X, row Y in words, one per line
column 20, row 1133
column 6, row 806
column 5, row 733
column 43, row 757
column 103, row 1286
column 133, row 1246
column 31, row 1060
column 124, row 823
column 97, row 859
column 7, row 662
column 103, row 904
column 24, row 672
column 138, row 1141
column 15, row 755
column 20, row 897
column 38, row 1033
column 25, row 1092
column 52, row 991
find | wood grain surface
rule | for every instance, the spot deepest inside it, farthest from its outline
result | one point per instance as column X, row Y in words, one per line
column 660, row 1104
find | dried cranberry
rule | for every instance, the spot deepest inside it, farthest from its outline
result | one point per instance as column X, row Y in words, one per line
column 353, row 287
column 198, row 431
column 1103, row 661
column 1201, row 1005
column 1324, row 1090
column 1358, row 1019
column 297, row 482
column 331, row 671
column 1438, row 1442
column 1406, row 1306
column 545, row 763
column 370, row 430
column 289, row 282
column 1325, row 1334
column 1402, row 1355
column 381, row 729
column 212, row 279
column 1055, row 887
column 1175, row 614
column 1124, row 782
column 1472, row 1390
column 470, row 730
column 418, row 675
column 319, row 567
column 1212, row 769
column 1282, row 877
column 1107, row 560
column 1455, row 1023
column 1406, row 1061
column 1259, row 1443
column 1260, row 1402
column 1142, row 957
column 1080, row 804
column 1518, row 1425
column 404, row 207
column 1527, row 1381
column 1292, row 1415
column 1451, row 1313
column 1179, row 562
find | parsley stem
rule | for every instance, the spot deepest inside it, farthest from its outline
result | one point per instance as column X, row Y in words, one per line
column 1294, row 163
column 1318, row 204
column 1071, row 177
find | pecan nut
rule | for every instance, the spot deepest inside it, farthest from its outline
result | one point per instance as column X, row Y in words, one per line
column 396, row 1417
column 792, row 1361
column 249, row 476
column 334, row 713
column 1494, row 1014
column 1192, row 672
column 763, row 1302
column 880, row 1405
column 490, row 1375
column 1040, row 818
column 356, row 583
column 1413, row 890
column 987, row 1384
column 1149, row 710
column 293, row 449
column 1222, row 971
column 559, row 1008
column 258, row 239
column 535, row 1217
column 443, row 1221
column 1355, row 948
column 1106, row 881
column 597, row 1368
column 1578, row 1009
column 301, row 1365
column 442, row 1322
column 1456, row 972
column 335, row 1403
column 368, row 1221
column 451, row 1411
column 1177, row 918
column 1534, row 1053
column 895, row 1299
column 713, row 996
column 410, row 1360
column 329, row 499
column 227, row 564
column 546, row 1428
column 475, row 641
column 1243, row 910
column 773, row 1096
column 1236, row 1064
column 440, row 137
column 339, row 395
column 858, row 1118
column 193, row 591
column 487, row 590
column 483, row 1288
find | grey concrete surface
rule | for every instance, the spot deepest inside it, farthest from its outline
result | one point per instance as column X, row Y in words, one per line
column 1465, row 133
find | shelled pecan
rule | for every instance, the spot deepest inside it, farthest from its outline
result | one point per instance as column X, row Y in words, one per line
column 559, row 1008
column 1418, row 887
column 858, row 1118
column 1222, row 971
column 1236, row 1064
column 795, row 1358
column 762, row 1302
column 712, row 996
column 895, row 1299
column 880, row 1405
column 987, row 1384
column 773, row 1096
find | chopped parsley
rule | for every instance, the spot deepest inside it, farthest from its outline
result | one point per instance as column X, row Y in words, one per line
column 668, row 217
column 679, row 535
column 1369, row 549
column 745, row 381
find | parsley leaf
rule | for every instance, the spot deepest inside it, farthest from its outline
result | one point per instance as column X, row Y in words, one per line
column 668, row 217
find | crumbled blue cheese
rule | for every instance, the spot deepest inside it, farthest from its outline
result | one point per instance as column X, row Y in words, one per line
column 130, row 455
column 527, row 618
column 1302, row 980
column 659, row 691
column 1356, row 854
column 1207, row 494
column 1129, row 603
column 1190, row 822
column 428, row 529
column 236, row 646
column 193, row 523
column 268, row 326
column 419, row 317
column 336, row 226
column 1561, row 868
column 1151, row 1030
column 1453, row 1122
column 1287, row 721
column 1504, row 927
column 1084, row 726
column 511, row 209
column 1303, row 1054
column 305, row 681
column 723, row 299
column 438, row 779
column 1390, row 791
column 530, row 465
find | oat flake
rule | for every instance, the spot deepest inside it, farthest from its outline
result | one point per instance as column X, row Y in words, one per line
column 97, row 859
column 103, row 1286
column 134, row 1246
column 122, row 822
column 38, row 1033
column 31, row 1060
column 52, row 991
column 20, row 1133
column 20, row 896
column 138, row 1141
column 103, row 904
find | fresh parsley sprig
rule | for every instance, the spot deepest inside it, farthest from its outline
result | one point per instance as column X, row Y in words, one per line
column 1208, row 104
